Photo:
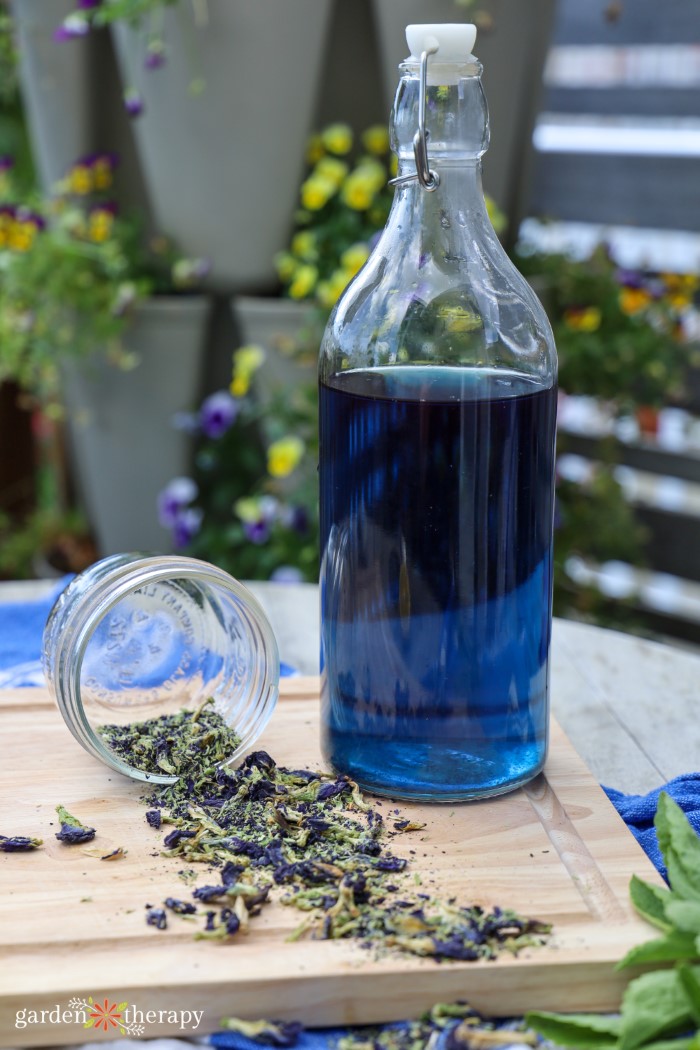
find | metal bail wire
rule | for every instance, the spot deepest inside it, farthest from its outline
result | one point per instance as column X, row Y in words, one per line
column 428, row 178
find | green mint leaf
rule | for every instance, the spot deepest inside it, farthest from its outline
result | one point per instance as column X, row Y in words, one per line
column 691, row 987
column 690, row 1043
column 585, row 1031
column 680, row 847
column 674, row 947
column 685, row 915
column 650, row 901
column 653, row 1005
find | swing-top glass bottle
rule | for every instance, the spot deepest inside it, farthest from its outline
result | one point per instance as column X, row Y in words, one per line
column 437, row 425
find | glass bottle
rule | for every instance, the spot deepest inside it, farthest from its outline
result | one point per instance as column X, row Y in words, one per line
column 437, row 386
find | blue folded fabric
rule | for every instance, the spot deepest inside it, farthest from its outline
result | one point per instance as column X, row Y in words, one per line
column 638, row 812
column 21, row 630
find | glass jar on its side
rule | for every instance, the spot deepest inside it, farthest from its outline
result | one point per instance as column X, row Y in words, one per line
column 135, row 637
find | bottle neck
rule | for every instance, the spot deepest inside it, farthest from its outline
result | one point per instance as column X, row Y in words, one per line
column 456, row 114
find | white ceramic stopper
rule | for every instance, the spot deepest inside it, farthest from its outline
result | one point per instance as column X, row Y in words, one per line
column 454, row 41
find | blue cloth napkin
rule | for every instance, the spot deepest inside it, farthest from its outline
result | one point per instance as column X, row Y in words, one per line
column 638, row 812
column 21, row 629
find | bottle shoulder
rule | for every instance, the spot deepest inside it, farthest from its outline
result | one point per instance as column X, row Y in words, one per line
column 413, row 305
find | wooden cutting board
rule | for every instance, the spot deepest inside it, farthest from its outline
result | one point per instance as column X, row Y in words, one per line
column 73, row 926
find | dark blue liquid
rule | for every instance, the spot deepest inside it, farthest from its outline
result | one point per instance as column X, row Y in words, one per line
column 436, row 578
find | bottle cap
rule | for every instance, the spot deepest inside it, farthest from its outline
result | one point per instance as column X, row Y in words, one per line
column 454, row 41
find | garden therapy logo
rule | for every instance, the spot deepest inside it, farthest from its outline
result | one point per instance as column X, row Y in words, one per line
column 106, row 1016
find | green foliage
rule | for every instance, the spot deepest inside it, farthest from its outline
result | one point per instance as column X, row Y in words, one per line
column 662, row 1004
column 617, row 332
column 71, row 272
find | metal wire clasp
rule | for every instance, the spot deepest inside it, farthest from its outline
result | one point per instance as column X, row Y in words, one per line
column 428, row 178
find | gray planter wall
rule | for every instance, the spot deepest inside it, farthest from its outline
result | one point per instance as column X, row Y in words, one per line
column 123, row 444
column 56, row 87
column 223, row 167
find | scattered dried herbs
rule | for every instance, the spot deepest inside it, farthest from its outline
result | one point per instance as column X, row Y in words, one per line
column 447, row 1026
column 306, row 837
column 18, row 843
column 72, row 832
column 174, row 744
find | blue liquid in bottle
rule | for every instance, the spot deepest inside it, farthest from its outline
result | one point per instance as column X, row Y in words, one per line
column 436, row 579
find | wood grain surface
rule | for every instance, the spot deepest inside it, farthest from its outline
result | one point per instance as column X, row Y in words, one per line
column 73, row 926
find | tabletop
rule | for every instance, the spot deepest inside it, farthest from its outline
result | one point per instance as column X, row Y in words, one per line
column 628, row 705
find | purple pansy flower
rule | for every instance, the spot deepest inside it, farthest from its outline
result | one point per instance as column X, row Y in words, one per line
column 155, row 55
column 133, row 103
column 218, row 413
column 88, row 5
column 187, row 524
column 174, row 498
column 71, row 28
column 6, row 162
column 258, row 532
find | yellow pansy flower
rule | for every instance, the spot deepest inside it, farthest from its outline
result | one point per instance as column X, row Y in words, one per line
column 328, row 292
column 100, row 227
column 497, row 217
column 248, row 509
column 332, row 168
column 102, row 173
column 314, row 149
column 285, row 264
column 586, row 319
column 80, row 179
column 284, row 455
column 632, row 300
column 304, row 282
column 246, row 361
column 376, row 139
column 354, row 258
column 337, row 138
column 317, row 191
column 304, row 245
column 358, row 192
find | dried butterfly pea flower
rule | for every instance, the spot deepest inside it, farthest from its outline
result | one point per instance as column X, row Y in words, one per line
column 72, row 832
column 18, row 843
column 156, row 917
column 180, row 907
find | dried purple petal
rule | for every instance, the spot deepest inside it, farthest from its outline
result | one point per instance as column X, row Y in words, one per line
column 154, row 818
column 180, row 907
column 18, row 843
column 73, row 836
column 259, row 760
column 156, row 917
column 210, row 893
column 327, row 791
column 176, row 836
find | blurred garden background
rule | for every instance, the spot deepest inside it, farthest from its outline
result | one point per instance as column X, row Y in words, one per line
column 186, row 187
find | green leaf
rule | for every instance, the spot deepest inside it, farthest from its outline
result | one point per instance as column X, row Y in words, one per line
column 691, row 1043
column 680, row 847
column 685, row 915
column 674, row 947
column 691, row 987
column 586, row 1031
column 654, row 1004
column 89, row 1023
column 121, row 1007
column 650, row 901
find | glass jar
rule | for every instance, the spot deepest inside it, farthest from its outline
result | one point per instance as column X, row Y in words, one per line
column 138, row 636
